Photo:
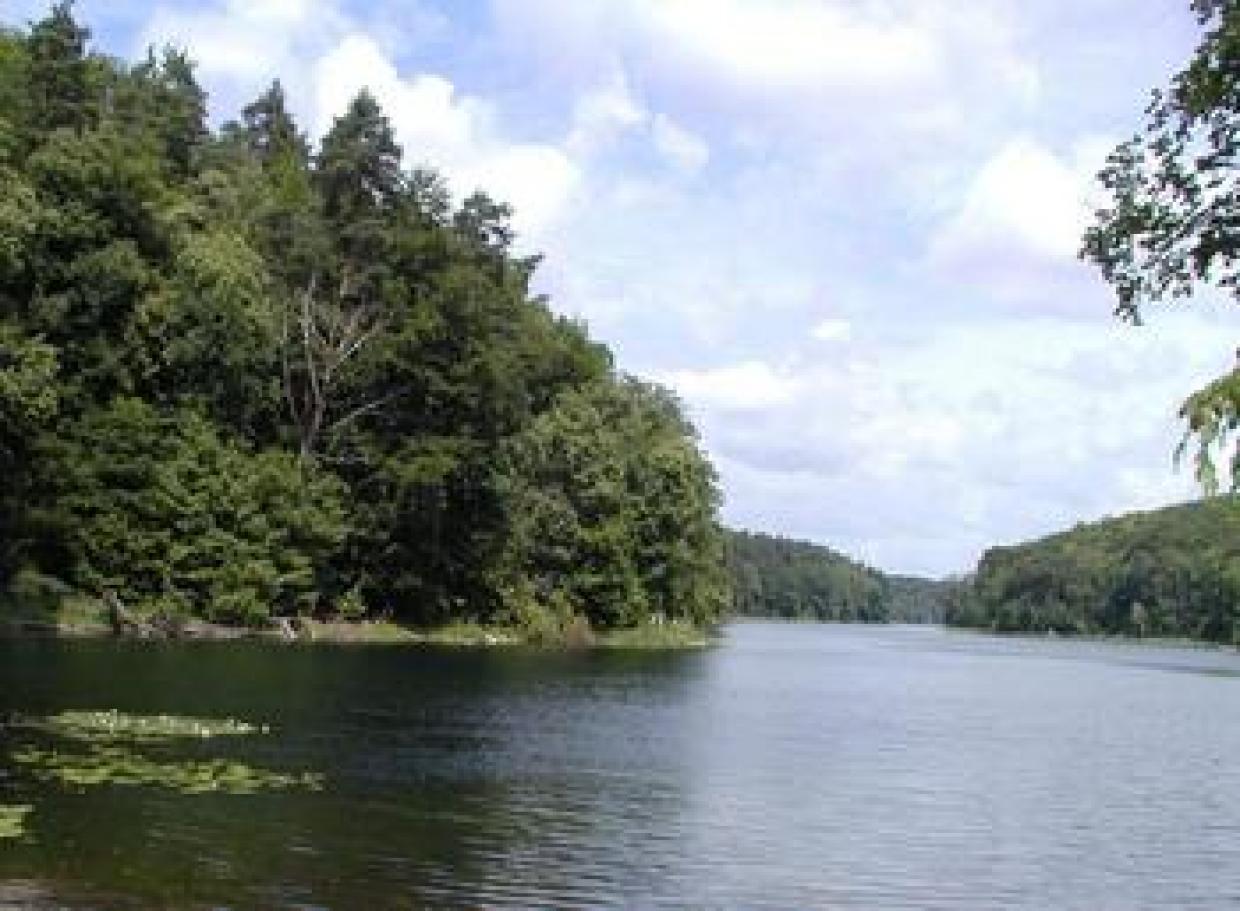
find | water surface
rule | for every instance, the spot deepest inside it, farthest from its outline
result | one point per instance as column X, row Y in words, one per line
column 791, row 767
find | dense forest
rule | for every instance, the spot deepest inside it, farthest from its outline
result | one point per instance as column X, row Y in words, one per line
column 1171, row 572
column 242, row 376
column 795, row 580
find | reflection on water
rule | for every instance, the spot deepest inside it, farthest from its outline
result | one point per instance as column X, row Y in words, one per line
column 796, row 766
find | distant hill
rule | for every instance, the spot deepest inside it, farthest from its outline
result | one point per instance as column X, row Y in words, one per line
column 780, row 577
column 1170, row 572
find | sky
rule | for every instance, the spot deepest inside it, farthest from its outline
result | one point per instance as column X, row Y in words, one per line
column 845, row 231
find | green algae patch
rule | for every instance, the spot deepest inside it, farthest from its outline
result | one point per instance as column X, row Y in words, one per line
column 114, row 726
column 13, row 820
column 86, row 749
column 116, row 765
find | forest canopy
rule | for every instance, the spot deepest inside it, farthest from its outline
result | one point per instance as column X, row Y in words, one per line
column 795, row 580
column 1170, row 572
column 245, row 375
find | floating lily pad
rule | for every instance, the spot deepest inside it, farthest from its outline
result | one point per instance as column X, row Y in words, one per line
column 118, row 765
column 113, row 748
column 118, row 726
column 13, row 820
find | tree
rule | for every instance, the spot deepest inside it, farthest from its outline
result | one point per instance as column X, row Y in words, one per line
column 613, row 509
column 177, row 108
column 360, row 178
column 59, row 72
column 174, row 516
column 340, row 309
column 28, row 403
column 271, row 132
column 1172, row 223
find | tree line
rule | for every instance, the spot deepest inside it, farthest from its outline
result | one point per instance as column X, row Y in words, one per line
column 244, row 375
column 1171, row 572
column 787, row 579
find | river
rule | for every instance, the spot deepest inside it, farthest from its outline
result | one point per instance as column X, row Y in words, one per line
column 790, row 767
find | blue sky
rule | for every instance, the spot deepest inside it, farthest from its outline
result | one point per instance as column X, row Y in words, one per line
column 843, row 230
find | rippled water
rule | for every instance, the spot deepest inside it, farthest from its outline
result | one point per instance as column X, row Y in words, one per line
column 792, row 767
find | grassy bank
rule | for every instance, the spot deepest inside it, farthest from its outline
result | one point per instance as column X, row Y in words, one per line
column 50, row 611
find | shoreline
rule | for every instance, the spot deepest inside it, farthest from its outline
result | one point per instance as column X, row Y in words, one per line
column 668, row 636
column 1107, row 638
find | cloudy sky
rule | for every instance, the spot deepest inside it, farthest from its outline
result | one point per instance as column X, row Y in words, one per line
column 844, row 230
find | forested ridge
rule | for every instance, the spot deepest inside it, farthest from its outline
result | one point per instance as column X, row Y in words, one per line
column 1170, row 572
column 242, row 376
column 784, row 578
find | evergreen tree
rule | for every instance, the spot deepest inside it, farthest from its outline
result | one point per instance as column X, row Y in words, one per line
column 59, row 82
column 239, row 381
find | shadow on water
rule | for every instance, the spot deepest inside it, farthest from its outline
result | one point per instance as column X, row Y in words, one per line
column 444, row 773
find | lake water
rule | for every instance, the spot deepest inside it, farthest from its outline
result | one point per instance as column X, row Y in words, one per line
column 791, row 767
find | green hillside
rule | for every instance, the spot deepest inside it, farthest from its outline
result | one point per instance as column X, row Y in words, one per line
column 1170, row 572
column 789, row 579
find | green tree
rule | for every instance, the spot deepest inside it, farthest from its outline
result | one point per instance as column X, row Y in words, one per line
column 1172, row 222
column 270, row 131
column 174, row 517
column 177, row 107
column 613, row 509
column 60, row 84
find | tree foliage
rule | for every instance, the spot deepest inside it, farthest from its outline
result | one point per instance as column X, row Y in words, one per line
column 796, row 580
column 611, row 508
column 1171, row 572
column 243, row 377
column 1171, row 224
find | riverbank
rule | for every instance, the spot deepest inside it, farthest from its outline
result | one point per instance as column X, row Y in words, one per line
column 86, row 618
column 1103, row 638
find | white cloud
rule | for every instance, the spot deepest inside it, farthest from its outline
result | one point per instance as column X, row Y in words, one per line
column 832, row 330
column 739, row 387
column 325, row 57
column 454, row 133
column 684, row 150
column 245, row 44
column 1019, row 222
column 808, row 65
column 795, row 43
column 984, row 433
column 604, row 113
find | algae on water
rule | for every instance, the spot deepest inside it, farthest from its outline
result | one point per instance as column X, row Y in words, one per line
column 120, row 727
column 115, row 765
column 97, row 748
column 13, row 820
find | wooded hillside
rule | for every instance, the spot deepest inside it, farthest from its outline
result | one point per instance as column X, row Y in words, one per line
column 1170, row 572
column 797, row 580
column 243, row 375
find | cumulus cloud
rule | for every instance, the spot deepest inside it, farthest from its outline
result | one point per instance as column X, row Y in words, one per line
column 326, row 54
column 604, row 113
column 1019, row 222
column 684, row 150
column 974, row 435
column 808, row 65
column 794, row 44
column 455, row 133
column 832, row 330
column 242, row 45
column 740, row 387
